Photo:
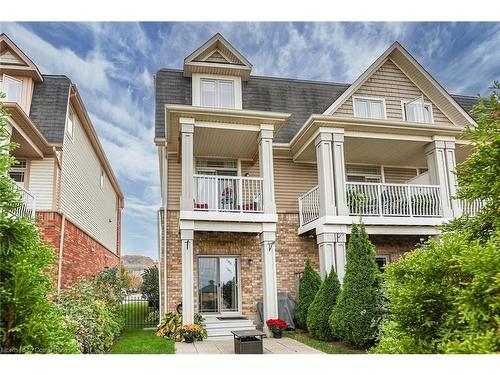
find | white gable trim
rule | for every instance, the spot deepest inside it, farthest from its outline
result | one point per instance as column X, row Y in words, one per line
column 378, row 63
column 213, row 40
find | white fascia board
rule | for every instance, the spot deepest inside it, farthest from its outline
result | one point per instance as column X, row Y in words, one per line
column 232, row 217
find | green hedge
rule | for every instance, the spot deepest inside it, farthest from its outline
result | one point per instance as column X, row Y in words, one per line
column 321, row 308
column 308, row 287
column 356, row 317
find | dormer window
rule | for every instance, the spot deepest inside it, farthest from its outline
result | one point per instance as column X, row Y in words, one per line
column 12, row 88
column 217, row 93
column 369, row 107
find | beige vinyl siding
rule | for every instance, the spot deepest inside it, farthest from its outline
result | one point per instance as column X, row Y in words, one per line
column 41, row 182
column 83, row 201
column 174, row 183
column 398, row 175
column 390, row 83
column 291, row 180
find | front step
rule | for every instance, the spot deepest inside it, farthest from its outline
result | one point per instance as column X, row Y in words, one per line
column 221, row 329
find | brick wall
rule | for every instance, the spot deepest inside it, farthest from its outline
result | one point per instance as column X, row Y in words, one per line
column 291, row 253
column 82, row 255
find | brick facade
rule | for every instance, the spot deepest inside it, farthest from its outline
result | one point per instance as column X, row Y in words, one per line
column 82, row 255
column 291, row 253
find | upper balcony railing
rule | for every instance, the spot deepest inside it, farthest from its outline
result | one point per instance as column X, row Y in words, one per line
column 309, row 206
column 26, row 208
column 376, row 199
column 228, row 193
column 471, row 208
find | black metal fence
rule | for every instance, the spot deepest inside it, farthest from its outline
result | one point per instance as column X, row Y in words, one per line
column 138, row 312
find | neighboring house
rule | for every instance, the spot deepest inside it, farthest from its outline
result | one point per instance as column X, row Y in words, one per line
column 62, row 170
column 259, row 174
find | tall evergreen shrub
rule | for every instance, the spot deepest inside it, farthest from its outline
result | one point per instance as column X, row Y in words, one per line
column 308, row 287
column 321, row 308
column 356, row 316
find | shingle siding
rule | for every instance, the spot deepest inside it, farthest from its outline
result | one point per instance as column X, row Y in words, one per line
column 297, row 97
column 49, row 106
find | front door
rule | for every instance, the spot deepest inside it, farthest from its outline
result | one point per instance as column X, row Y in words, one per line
column 218, row 284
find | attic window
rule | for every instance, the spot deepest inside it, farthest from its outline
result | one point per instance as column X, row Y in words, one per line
column 12, row 88
column 417, row 111
column 369, row 107
column 70, row 123
column 217, row 93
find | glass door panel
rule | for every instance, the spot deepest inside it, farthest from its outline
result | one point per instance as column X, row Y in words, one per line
column 229, row 284
column 208, row 284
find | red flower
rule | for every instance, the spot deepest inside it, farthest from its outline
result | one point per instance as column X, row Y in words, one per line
column 276, row 323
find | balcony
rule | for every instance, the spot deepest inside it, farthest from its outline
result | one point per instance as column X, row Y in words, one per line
column 379, row 200
column 26, row 208
column 228, row 194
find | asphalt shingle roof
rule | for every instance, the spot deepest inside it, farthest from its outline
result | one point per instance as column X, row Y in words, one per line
column 298, row 97
column 49, row 106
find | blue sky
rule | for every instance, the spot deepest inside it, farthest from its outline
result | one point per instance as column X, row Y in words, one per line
column 113, row 66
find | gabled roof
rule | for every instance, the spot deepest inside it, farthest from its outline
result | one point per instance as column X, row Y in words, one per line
column 420, row 77
column 300, row 98
column 14, row 61
column 217, row 56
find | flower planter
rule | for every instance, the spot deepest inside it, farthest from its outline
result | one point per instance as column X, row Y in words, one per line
column 277, row 334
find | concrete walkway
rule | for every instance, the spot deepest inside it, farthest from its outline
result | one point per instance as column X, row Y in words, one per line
column 284, row 345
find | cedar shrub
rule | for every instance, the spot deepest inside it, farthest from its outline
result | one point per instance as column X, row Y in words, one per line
column 321, row 308
column 356, row 316
column 308, row 287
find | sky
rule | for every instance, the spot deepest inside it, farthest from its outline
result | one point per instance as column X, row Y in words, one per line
column 113, row 65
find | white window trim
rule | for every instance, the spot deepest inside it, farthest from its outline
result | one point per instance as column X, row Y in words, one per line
column 14, row 79
column 403, row 112
column 101, row 179
column 71, row 135
column 217, row 91
column 196, row 88
column 372, row 98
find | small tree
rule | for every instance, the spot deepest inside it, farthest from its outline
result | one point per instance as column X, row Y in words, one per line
column 322, row 306
column 356, row 316
column 150, row 288
column 308, row 287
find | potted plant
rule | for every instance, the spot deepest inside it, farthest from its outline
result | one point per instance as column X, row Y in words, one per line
column 191, row 332
column 276, row 326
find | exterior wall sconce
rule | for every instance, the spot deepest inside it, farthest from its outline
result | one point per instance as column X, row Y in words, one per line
column 250, row 261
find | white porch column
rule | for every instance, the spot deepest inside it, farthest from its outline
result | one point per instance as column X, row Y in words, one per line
column 266, row 167
column 324, row 160
column 326, row 248
column 332, row 253
column 340, row 255
column 339, row 172
column 187, row 159
column 441, row 164
column 331, row 172
column 187, row 237
column 269, row 283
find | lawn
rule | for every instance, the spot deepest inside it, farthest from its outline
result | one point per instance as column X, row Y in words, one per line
column 141, row 341
column 326, row 347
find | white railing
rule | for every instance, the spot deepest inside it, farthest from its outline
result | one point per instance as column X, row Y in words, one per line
column 228, row 193
column 471, row 208
column 376, row 199
column 309, row 206
column 27, row 205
